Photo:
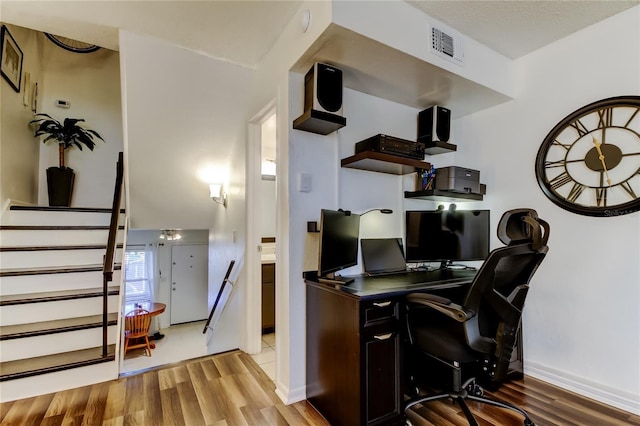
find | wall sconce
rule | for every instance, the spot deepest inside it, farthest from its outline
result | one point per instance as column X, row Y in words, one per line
column 218, row 194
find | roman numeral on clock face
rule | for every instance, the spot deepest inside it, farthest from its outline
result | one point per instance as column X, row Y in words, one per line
column 560, row 180
column 601, row 197
column 575, row 192
column 579, row 127
column 605, row 117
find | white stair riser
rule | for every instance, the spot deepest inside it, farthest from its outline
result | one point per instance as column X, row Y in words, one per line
column 25, row 284
column 29, row 347
column 61, row 380
column 55, row 237
column 61, row 218
column 49, row 311
column 50, row 258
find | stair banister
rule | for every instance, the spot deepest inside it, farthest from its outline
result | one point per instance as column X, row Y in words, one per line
column 107, row 270
column 215, row 304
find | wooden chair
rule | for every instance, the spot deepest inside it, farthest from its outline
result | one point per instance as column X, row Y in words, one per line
column 136, row 334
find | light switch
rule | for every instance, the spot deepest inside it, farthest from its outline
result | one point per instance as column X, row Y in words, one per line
column 304, row 182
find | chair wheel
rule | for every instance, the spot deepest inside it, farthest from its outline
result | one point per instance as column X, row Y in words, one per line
column 475, row 389
column 528, row 422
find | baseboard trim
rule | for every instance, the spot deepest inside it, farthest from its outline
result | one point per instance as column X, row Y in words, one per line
column 291, row 396
column 623, row 400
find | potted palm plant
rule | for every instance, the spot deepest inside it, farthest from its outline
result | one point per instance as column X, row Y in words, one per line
column 66, row 135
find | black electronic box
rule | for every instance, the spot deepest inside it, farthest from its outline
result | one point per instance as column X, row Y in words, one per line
column 391, row 145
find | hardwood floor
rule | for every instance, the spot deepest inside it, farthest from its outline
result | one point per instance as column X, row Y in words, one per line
column 547, row 405
column 231, row 389
column 225, row 389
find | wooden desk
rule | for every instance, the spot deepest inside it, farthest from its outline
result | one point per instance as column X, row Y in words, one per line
column 354, row 351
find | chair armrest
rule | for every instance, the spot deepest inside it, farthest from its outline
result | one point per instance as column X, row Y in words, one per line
column 441, row 304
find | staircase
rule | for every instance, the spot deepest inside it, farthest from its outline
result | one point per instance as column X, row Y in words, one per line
column 52, row 335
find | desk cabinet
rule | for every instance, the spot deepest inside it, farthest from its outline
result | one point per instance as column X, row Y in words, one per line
column 353, row 357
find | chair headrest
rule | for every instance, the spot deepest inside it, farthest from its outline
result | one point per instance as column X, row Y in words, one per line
column 521, row 226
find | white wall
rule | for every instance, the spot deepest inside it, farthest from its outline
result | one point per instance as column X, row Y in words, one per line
column 19, row 151
column 582, row 317
column 185, row 113
column 91, row 83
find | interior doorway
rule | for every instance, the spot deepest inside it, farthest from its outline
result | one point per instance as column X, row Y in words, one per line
column 261, row 230
column 162, row 257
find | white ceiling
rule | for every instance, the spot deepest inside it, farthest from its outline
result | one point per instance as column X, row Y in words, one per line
column 243, row 31
column 515, row 28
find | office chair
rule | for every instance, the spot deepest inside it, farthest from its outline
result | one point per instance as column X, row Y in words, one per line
column 136, row 330
column 480, row 332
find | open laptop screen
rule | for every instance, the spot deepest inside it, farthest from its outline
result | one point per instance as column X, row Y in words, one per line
column 382, row 255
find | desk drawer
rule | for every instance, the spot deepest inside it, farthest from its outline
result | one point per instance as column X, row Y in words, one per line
column 379, row 311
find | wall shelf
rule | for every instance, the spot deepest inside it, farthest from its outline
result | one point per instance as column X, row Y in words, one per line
column 442, row 195
column 384, row 163
column 439, row 147
column 319, row 122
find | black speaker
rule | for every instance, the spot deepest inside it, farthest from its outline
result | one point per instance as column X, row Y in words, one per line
column 323, row 89
column 434, row 124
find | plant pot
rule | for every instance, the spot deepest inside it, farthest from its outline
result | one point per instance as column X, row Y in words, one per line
column 60, row 186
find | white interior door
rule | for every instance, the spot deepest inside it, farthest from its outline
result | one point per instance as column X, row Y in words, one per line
column 188, row 283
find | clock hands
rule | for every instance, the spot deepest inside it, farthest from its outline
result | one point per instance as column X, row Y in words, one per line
column 601, row 158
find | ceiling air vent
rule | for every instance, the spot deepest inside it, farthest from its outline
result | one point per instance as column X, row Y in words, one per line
column 447, row 44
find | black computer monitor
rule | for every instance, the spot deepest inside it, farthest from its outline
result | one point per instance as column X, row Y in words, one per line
column 382, row 255
column 447, row 236
column 339, row 233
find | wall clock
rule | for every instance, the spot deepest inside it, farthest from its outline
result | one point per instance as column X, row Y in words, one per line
column 72, row 45
column 589, row 163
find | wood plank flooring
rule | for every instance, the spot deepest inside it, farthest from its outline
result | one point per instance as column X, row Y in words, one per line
column 230, row 389
column 225, row 389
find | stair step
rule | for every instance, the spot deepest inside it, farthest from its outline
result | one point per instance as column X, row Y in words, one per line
column 58, row 326
column 28, row 367
column 35, row 215
column 63, row 209
column 24, row 284
column 43, row 257
column 49, row 248
column 55, row 227
column 54, row 296
column 59, row 270
column 35, row 235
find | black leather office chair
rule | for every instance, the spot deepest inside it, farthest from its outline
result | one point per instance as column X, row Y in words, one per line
column 480, row 331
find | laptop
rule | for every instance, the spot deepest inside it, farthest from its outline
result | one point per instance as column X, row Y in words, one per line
column 382, row 256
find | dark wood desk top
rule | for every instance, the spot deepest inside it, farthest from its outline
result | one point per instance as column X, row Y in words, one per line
column 369, row 287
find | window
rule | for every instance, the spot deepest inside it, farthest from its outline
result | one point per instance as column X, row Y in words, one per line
column 138, row 275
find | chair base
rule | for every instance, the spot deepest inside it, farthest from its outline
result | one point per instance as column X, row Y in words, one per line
column 460, row 398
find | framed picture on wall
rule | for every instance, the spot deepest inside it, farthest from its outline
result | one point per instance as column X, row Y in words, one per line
column 10, row 59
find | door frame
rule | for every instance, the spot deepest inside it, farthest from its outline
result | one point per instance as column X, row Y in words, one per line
column 253, row 330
